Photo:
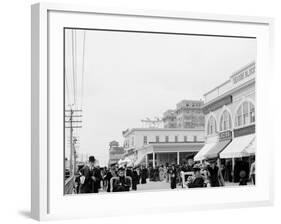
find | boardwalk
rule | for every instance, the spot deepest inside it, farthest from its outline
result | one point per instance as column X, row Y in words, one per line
column 153, row 186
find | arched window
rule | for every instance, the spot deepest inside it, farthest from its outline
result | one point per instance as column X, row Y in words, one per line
column 212, row 126
column 245, row 114
column 225, row 121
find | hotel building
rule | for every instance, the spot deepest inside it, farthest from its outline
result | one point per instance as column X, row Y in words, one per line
column 181, row 137
column 188, row 114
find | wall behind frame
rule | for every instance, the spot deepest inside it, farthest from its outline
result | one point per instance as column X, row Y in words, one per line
column 15, row 108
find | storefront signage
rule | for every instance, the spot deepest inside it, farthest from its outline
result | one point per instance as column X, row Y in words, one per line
column 218, row 104
column 245, row 73
column 226, row 135
column 245, row 131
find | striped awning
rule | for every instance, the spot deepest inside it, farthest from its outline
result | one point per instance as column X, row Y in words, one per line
column 214, row 152
column 240, row 147
column 201, row 155
column 251, row 149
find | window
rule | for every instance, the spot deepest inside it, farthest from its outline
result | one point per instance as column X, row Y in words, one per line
column 176, row 138
column 144, row 140
column 125, row 144
column 166, row 138
column 185, row 138
column 211, row 127
column 239, row 117
column 225, row 122
column 133, row 141
column 157, row 138
column 195, row 138
column 245, row 114
column 252, row 113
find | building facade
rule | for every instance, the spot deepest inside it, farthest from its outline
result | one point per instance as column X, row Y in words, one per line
column 158, row 146
column 116, row 152
column 188, row 114
column 170, row 119
column 230, row 118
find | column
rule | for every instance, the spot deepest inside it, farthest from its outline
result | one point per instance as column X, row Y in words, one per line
column 178, row 158
column 153, row 159
column 233, row 164
column 146, row 160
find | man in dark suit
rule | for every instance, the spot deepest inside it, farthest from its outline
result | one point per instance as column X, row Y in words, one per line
column 173, row 174
column 134, row 179
column 90, row 177
column 121, row 183
column 197, row 180
column 143, row 175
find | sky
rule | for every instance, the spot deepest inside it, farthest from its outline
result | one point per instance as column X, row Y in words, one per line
column 120, row 78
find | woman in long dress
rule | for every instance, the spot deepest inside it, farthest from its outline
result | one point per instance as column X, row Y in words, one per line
column 161, row 173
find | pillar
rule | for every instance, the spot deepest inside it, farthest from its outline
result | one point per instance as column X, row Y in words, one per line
column 153, row 159
column 146, row 160
column 178, row 158
column 233, row 164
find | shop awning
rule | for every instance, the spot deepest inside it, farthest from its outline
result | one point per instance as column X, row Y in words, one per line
column 214, row 152
column 238, row 147
column 251, row 149
column 201, row 155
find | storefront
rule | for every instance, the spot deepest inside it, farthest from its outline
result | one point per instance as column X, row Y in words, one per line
column 163, row 153
column 241, row 151
column 224, row 140
column 230, row 123
column 211, row 150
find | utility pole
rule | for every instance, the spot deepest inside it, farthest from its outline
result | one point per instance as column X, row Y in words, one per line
column 72, row 120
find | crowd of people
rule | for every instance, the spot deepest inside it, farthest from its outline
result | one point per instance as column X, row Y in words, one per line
column 93, row 179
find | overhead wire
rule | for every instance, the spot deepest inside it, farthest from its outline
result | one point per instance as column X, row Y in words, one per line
column 83, row 69
column 73, row 52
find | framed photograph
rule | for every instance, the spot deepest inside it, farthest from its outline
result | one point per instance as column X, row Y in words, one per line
column 149, row 111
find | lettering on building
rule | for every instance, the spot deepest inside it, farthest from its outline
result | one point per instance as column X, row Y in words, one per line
column 243, row 74
column 244, row 131
column 226, row 135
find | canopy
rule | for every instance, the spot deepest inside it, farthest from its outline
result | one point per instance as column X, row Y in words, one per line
column 251, row 149
column 201, row 155
column 238, row 147
column 214, row 152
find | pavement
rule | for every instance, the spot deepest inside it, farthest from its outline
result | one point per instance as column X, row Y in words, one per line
column 153, row 185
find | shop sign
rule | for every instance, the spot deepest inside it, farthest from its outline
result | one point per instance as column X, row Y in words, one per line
column 218, row 104
column 245, row 131
column 226, row 135
column 245, row 73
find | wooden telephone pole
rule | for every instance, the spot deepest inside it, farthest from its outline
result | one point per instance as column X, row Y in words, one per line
column 72, row 122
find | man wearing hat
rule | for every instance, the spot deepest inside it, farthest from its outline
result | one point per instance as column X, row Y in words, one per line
column 214, row 173
column 121, row 183
column 173, row 175
column 197, row 180
column 90, row 177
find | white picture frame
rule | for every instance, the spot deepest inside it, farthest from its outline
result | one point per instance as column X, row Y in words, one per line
column 47, row 200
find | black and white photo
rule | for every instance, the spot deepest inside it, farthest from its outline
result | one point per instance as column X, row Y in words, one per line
column 151, row 111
